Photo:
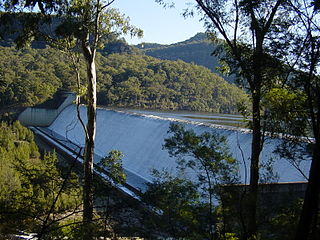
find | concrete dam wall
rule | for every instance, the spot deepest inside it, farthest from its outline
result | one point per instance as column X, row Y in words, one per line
column 140, row 139
column 44, row 116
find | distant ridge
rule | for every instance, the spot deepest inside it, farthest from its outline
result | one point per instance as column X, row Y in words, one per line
column 199, row 37
column 197, row 49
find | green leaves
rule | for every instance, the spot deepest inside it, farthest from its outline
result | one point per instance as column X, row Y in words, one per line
column 178, row 202
column 286, row 111
column 30, row 77
column 29, row 183
column 186, row 207
column 112, row 21
column 112, row 163
column 206, row 153
column 141, row 81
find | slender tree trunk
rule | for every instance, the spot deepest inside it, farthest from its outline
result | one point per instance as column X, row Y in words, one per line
column 254, row 167
column 309, row 213
column 307, row 226
column 256, row 143
column 89, row 145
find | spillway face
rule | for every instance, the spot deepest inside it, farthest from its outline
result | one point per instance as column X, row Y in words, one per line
column 140, row 138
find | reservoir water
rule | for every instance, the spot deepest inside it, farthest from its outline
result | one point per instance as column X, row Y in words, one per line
column 201, row 117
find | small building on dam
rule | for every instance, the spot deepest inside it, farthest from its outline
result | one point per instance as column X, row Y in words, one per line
column 140, row 137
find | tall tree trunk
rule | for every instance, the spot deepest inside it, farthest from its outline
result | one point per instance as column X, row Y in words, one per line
column 309, row 214
column 89, row 145
column 307, row 226
column 254, row 167
column 256, row 144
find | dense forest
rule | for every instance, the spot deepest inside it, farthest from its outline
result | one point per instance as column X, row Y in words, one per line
column 30, row 76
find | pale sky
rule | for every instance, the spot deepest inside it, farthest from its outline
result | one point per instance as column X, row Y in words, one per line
column 160, row 25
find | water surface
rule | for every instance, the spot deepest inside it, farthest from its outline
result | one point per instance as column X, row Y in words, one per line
column 202, row 117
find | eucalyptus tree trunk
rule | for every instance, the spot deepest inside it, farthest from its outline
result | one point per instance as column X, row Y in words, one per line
column 254, row 167
column 89, row 55
column 257, row 142
column 308, row 226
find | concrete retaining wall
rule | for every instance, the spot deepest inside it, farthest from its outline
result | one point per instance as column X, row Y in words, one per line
column 43, row 117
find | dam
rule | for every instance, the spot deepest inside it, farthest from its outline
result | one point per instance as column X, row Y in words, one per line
column 140, row 138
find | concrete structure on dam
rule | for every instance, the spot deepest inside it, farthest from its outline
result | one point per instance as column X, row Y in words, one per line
column 45, row 114
column 141, row 137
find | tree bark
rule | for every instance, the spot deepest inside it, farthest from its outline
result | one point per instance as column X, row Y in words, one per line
column 308, row 223
column 89, row 56
column 254, row 167
column 309, row 214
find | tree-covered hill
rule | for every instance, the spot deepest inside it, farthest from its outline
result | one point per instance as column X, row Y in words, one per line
column 31, row 76
column 147, row 82
column 197, row 49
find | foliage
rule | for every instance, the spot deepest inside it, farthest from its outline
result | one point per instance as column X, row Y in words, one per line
column 118, row 46
column 305, row 54
column 146, row 82
column 293, row 120
column 283, row 225
column 292, row 124
column 29, row 183
column 116, row 214
column 207, row 154
column 250, row 30
column 28, row 77
column 228, row 236
column 66, row 229
column 181, row 214
column 189, row 209
column 31, row 76
column 112, row 163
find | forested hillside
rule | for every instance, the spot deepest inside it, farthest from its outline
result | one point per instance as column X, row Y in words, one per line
column 141, row 81
column 30, row 76
column 196, row 50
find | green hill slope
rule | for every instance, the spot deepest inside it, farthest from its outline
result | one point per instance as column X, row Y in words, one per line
column 147, row 82
column 31, row 76
column 196, row 50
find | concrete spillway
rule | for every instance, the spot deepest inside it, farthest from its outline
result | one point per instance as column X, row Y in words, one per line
column 140, row 139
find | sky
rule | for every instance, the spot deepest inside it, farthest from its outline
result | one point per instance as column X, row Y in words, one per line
column 160, row 25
